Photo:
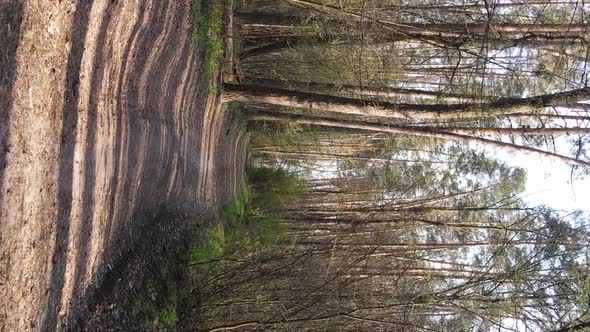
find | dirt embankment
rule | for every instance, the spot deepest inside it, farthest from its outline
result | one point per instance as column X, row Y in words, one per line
column 103, row 123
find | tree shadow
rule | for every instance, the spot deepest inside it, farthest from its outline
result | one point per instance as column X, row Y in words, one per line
column 149, row 148
column 88, row 204
column 155, row 124
column 66, row 159
column 11, row 13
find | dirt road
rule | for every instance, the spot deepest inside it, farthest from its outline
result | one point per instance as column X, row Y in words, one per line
column 103, row 122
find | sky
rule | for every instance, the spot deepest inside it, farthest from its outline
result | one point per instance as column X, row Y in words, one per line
column 549, row 183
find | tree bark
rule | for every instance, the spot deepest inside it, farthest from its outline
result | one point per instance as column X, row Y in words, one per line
column 418, row 131
column 343, row 105
column 370, row 91
column 451, row 30
column 514, row 131
column 536, row 41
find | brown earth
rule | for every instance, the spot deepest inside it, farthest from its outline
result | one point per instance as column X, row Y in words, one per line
column 103, row 124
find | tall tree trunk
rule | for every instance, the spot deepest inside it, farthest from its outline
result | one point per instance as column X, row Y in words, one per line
column 418, row 131
column 505, row 29
column 283, row 44
column 257, row 18
column 369, row 91
column 343, row 105
column 535, row 41
column 482, row 5
column 451, row 30
column 513, row 131
column 385, row 92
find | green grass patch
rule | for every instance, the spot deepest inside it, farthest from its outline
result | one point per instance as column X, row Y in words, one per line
column 250, row 229
column 156, row 299
column 168, row 317
column 235, row 212
column 253, row 218
column 274, row 187
column 208, row 17
column 251, row 221
column 205, row 253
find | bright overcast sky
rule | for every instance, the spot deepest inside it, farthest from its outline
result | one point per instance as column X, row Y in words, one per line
column 549, row 183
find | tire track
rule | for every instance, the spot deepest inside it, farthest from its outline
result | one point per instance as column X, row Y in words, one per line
column 110, row 124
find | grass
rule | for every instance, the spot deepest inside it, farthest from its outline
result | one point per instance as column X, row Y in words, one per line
column 206, row 252
column 248, row 228
column 168, row 317
column 274, row 187
column 251, row 221
column 208, row 17
column 193, row 272
column 154, row 304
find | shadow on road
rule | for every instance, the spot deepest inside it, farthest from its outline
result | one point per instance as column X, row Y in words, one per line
column 154, row 123
column 10, row 33
column 66, row 159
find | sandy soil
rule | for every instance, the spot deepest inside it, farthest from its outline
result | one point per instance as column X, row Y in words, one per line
column 103, row 122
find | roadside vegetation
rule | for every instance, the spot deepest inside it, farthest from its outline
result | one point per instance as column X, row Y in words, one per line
column 249, row 231
column 182, row 281
column 208, row 18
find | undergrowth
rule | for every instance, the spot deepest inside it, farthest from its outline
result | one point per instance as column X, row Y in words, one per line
column 186, row 276
column 208, row 27
column 251, row 228
column 252, row 220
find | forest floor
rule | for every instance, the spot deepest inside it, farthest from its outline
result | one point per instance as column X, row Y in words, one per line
column 110, row 146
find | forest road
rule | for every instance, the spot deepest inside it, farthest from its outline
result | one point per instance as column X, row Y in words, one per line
column 103, row 122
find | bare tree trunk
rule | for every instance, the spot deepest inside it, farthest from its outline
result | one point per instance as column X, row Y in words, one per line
column 257, row 18
column 450, row 98
column 510, row 29
column 418, row 131
column 343, row 105
column 514, row 131
column 538, row 40
column 482, row 5
column 451, row 30
column 370, row 91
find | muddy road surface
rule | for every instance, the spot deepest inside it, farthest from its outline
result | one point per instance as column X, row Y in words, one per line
column 103, row 122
